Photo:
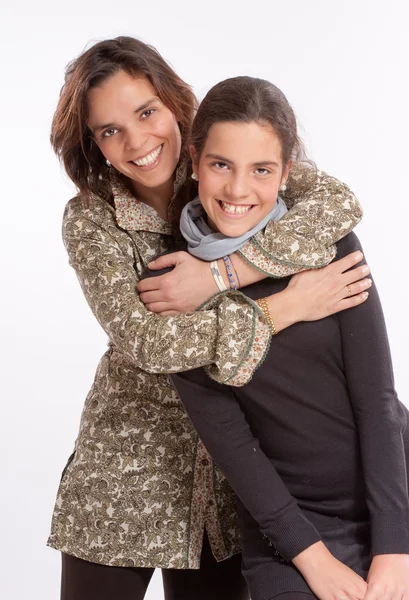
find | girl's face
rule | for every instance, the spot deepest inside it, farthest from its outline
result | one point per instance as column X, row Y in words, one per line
column 133, row 129
column 240, row 172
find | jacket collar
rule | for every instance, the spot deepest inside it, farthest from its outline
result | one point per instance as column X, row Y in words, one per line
column 134, row 215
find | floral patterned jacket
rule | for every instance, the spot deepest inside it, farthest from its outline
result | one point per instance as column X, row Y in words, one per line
column 140, row 488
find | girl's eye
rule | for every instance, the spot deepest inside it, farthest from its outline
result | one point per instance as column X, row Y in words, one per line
column 147, row 113
column 220, row 165
column 109, row 132
column 262, row 171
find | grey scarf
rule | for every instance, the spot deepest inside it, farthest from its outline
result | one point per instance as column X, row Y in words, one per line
column 207, row 245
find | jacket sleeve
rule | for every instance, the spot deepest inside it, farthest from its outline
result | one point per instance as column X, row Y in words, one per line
column 230, row 335
column 222, row 426
column 380, row 417
column 322, row 211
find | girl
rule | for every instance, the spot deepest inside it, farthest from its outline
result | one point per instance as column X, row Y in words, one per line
column 316, row 445
column 140, row 490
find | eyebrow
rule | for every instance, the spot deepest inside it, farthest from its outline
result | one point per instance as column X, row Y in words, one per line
column 140, row 108
column 262, row 163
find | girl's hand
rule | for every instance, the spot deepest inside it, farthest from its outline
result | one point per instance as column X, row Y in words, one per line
column 327, row 577
column 183, row 289
column 388, row 577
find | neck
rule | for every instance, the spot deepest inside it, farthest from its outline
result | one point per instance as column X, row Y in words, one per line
column 158, row 198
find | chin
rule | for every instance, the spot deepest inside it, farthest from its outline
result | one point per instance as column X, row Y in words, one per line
column 232, row 231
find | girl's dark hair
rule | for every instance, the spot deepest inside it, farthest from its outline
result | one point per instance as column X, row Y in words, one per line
column 249, row 100
column 70, row 136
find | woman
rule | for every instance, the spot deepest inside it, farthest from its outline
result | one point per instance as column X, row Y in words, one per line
column 140, row 490
column 316, row 445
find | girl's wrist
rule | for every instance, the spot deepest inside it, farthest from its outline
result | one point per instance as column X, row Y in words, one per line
column 312, row 558
column 223, row 272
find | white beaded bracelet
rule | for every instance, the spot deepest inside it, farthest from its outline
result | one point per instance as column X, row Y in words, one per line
column 217, row 276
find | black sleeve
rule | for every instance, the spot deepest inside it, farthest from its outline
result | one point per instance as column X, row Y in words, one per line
column 221, row 424
column 380, row 417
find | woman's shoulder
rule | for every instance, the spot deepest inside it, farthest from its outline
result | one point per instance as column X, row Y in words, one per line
column 92, row 208
column 81, row 217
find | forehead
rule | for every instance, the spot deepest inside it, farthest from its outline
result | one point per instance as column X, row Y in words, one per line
column 117, row 96
column 251, row 142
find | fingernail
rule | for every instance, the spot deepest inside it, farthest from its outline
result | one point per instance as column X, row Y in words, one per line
column 365, row 269
column 358, row 256
column 365, row 294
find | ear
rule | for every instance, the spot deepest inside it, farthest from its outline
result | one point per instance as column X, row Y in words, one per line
column 286, row 172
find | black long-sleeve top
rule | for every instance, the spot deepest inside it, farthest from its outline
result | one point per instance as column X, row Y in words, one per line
column 319, row 427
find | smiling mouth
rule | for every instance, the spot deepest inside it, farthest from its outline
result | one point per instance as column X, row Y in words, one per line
column 235, row 209
column 149, row 159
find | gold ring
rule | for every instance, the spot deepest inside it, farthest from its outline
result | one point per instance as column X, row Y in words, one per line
column 349, row 290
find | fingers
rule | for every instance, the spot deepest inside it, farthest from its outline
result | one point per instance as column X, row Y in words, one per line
column 346, row 263
column 168, row 260
column 152, row 296
column 356, row 288
column 351, row 302
column 150, row 283
column 159, row 307
column 355, row 274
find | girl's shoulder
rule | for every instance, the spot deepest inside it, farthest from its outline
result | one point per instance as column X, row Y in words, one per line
column 346, row 245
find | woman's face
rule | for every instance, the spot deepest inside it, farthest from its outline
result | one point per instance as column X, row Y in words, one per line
column 133, row 129
column 240, row 172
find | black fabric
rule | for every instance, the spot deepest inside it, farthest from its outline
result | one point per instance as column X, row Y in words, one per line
column 293, row 596
column 316, row 445
column 83, row 580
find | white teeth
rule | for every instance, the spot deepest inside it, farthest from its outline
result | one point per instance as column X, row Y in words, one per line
column 235, row 209
column 149, row 159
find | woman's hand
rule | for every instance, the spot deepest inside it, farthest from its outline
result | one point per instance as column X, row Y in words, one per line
column 388, row 577
column 327, row 577
column 182, row 290
column 318, row 293
column 309, row 296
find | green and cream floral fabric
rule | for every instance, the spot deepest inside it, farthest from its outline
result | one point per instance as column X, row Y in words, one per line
column 140, row 487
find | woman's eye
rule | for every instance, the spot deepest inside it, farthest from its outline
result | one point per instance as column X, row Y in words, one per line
column 109, row 132
column 147, row 113
column 262, row 171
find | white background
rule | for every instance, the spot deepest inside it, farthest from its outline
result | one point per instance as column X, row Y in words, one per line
column 343, row 65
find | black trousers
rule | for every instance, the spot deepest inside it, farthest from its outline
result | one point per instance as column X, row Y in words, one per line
column 82, row 580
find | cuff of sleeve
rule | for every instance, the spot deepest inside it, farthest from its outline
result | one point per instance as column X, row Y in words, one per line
column 267, row 264
column 244, row 346
column 390, row 533
column 257, row 351
column 292, row 533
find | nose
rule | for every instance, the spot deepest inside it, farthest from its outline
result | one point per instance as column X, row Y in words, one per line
column 136, row 139
column 237, row 187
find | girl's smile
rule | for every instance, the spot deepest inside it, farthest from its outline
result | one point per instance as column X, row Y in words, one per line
column 240, row 171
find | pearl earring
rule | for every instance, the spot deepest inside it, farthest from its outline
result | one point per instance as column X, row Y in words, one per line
column 193, row 176
column 283, row 188
column 108, row 163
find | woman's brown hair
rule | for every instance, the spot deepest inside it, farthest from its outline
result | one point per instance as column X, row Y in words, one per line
column 70, row 136
column 249, row 100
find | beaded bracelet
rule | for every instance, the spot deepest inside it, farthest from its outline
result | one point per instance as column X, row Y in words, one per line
column 229, row 269
column 263, row 304
column 217, row 276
